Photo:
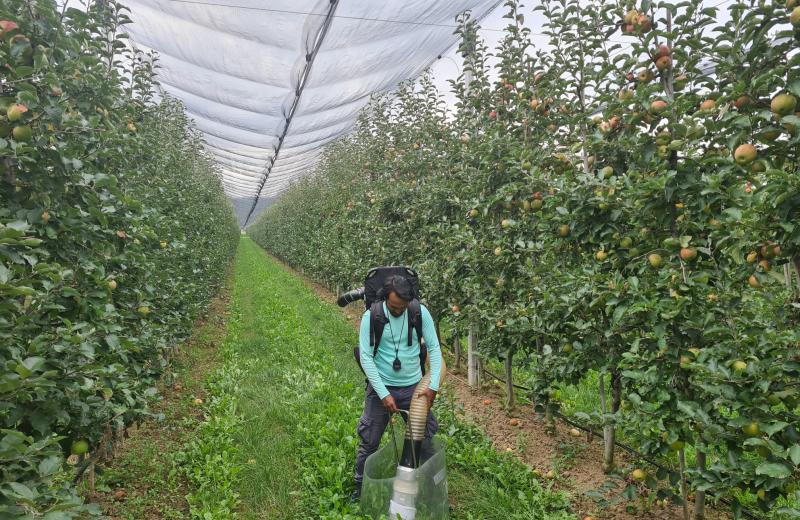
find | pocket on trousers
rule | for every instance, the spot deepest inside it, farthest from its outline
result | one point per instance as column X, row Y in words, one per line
column 363, row 429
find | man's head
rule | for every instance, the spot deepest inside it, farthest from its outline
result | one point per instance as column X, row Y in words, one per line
column 398, row 293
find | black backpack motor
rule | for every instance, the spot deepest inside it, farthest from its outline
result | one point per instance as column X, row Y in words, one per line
column 373, row 294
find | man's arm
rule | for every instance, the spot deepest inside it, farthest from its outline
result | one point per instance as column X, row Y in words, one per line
column 367, row 361
column 434, row 350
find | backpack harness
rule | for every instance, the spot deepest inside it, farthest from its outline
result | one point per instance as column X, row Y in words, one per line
column 373, row 299
column 378, row 321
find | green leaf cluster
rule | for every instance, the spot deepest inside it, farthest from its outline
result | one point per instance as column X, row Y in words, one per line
column 114, row 234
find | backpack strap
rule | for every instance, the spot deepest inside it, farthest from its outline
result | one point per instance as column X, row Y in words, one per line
column 377, row 322
column 414, row 320
column 415, row 324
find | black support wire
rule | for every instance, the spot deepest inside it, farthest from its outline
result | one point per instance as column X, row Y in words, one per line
column 344, row 17
column 360, row 18
column 629, row 449
column 298, row 92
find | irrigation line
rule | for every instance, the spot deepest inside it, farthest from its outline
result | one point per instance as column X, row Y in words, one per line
column 629, row 449
column 520, row 387
column 304, row 13
column 571, row 422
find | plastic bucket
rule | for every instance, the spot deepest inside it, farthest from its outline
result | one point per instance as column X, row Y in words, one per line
column 380, row 472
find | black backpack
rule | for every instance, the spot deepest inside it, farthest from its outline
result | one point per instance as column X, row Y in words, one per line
column 373, row 295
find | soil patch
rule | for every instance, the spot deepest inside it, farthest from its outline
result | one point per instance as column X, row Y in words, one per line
column 138, row 482
column 576, row 460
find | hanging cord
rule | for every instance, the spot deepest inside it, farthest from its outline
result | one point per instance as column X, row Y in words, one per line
column 394, row 341
column 310, row 58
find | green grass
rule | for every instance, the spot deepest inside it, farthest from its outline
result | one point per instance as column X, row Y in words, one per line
column 302, row 395
column 211, row 460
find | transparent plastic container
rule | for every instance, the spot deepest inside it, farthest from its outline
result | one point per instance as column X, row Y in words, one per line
column 380, row 472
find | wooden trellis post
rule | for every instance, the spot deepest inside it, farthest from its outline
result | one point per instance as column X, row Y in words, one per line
column 457, row 350
column 473, row 362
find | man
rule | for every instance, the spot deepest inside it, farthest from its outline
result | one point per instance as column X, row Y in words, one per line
column 394, row 372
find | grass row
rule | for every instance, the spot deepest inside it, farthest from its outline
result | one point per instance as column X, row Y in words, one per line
column 211, row 461
column 301, row 397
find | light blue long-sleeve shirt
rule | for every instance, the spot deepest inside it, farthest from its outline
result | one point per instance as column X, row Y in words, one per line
column 379, row 369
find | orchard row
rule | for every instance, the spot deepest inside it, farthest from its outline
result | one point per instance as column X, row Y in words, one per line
column 625, row 200
column 114, row 234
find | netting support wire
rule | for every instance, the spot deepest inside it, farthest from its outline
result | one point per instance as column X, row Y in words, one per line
column 310, row 57
column 633, row 451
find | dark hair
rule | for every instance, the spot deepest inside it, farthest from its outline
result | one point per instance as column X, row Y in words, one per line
column 400, row 286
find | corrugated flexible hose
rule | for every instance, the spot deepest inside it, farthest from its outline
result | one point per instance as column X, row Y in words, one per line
column 406, row 487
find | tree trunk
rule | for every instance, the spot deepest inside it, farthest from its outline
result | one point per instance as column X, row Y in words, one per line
column 684, row 486
column 549, row 420
column 510, row 378
column 457, row 351
column 616, row 390
column 91, row 478
column 797, row 270
column 700, row 496
column 472, row 357
column 608, row 428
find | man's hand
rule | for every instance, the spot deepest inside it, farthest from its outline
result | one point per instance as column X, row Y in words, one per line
column 389, row 404
column 429, row 394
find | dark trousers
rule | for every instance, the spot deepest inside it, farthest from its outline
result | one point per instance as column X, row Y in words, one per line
column 375, row 418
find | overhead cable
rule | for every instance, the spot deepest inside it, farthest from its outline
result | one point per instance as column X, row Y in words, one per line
column 298, row 93
column 341, row 16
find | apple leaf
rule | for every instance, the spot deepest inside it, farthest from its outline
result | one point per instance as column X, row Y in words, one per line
column 733, row 214
column 790, row 512
column 794, row 87
column 113, row 341
column 791, row 119
column 773, row 469
column 22, row 491
column 736, row 507
column 19, row 225
column 775, row 427
column 794, row 454
column 735, row 140
column 33, row 363
column 49, row 465
column 630, row 492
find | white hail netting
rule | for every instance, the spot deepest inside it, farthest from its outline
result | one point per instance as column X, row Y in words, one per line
column 238, row 65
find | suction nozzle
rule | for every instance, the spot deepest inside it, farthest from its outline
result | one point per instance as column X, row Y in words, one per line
column 350, row 297
column 406, row 487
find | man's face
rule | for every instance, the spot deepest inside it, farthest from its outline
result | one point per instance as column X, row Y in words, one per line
column 396, row 304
